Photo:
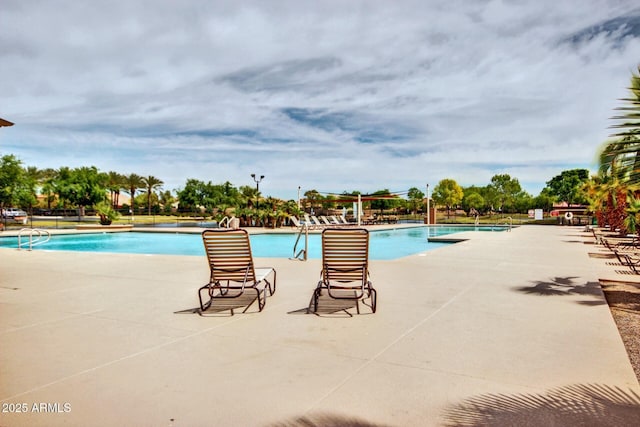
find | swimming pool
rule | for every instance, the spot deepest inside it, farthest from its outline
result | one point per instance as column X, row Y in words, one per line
column 387, row 244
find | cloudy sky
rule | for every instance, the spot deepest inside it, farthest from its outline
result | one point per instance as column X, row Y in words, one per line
column 329, row 95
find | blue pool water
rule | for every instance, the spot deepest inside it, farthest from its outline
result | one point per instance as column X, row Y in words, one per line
column 388, row 244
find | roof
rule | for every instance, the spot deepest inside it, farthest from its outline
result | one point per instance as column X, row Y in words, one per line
column 4, row 122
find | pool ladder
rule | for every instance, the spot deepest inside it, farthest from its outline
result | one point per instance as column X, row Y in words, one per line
column 508, row 221
column 304, row 251
column 227, row 222
column 40, row 236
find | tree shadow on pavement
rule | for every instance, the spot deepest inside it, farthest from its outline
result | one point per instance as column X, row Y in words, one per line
column 325, row 420
column 562, row 286
column 581, row 404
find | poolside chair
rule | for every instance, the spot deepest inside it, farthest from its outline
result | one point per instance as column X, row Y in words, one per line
column 335, row 221
column 342, row 222
column 345, row 267
column 326, row 221
column 345, row 221
column 311, row 224
column 232, row 269
column 295, row 221
column 316, row 222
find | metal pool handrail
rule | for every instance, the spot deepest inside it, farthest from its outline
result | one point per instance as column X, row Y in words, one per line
column 305, row 250
column 33, row 242
column 508, row 223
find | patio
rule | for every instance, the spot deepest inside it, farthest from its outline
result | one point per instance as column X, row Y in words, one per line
column 504, row 328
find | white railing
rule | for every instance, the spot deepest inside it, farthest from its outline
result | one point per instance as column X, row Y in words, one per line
column 225, row 222
column 40, row 236
column 508, row 222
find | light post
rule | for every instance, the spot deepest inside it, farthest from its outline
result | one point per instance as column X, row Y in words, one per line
column 428, row 207
column 258, row 181
column 298, row 197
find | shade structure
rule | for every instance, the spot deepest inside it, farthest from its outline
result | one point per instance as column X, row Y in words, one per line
column 4, row 122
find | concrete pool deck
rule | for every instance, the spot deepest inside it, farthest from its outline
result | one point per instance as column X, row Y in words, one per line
column 502, row 328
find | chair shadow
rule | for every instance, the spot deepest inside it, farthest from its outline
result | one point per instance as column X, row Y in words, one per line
column 601, row 255
column 623, row 300
column 562, row 286
column 331, row 307
column 580, row 404
column 226, row 307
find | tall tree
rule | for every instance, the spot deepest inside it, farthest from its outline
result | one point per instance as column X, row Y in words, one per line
column 197, row 195
column 166, row 199
column 544, row 200
column 132, row 183
column 447, row 193
column 568, row 186
column 15, row 186
column 115, row 183
column 314, row 198
column 47, row 188
column 415, row 197
column 473, row 203
column 248, row 195
column 385, row 200
column 151, row 184
column 506, row 188
column 34, row 177
column 82, row 187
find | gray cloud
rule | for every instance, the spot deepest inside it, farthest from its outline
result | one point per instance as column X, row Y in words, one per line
column 331, row 95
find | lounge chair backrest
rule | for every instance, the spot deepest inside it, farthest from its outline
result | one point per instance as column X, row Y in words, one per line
column 345, row 254
column 229, row 255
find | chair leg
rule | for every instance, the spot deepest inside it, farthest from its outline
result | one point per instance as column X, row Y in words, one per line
column 270, row 287
column 204, row 307
column 273, row 290
column 373, row 295
column 261, row 303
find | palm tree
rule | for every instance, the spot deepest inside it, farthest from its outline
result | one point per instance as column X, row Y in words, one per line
column 151, row 183
column 114, row 185
column 621, row 156
column 609, row 199
column 632, row 221
column 314, row 198
column 130, row 184
column 596, row 194
column 33, row 177
column 617, row 205
column 248, row 195
column 47, row 187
